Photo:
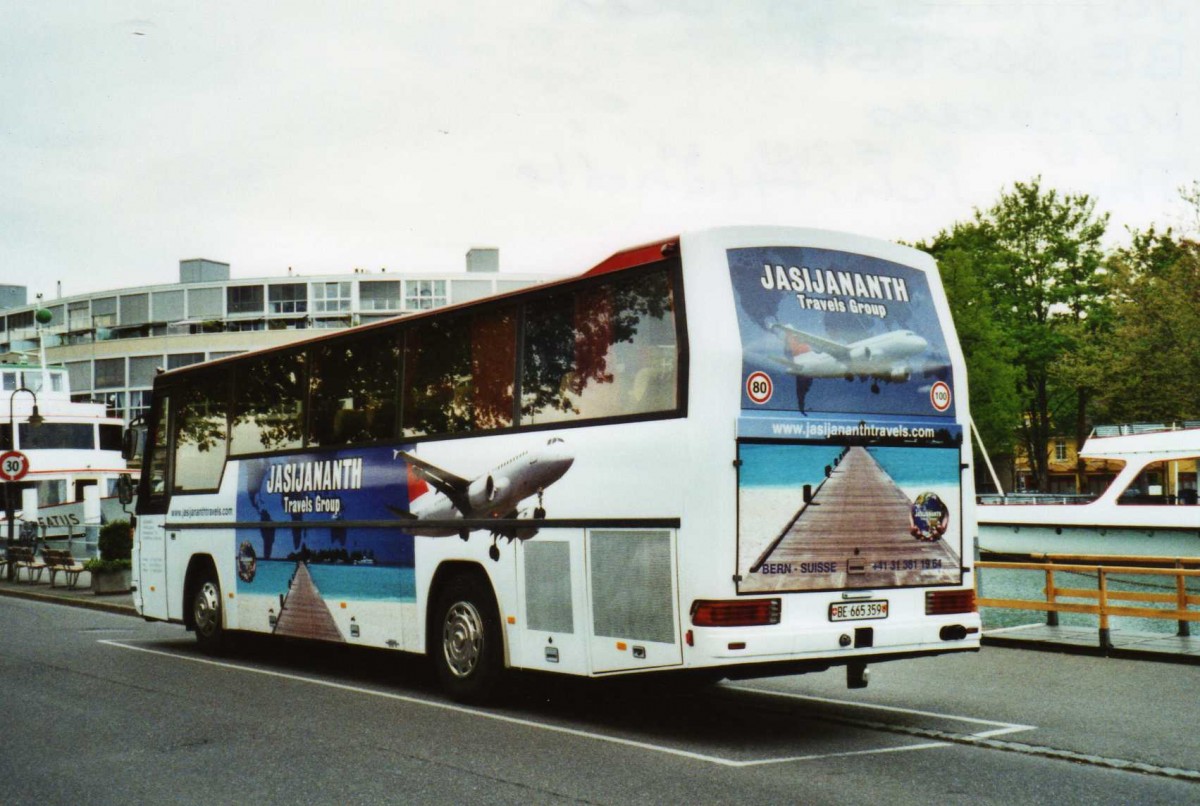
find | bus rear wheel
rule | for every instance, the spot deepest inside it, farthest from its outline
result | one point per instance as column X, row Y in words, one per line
column 207, row 617
column 466, row 648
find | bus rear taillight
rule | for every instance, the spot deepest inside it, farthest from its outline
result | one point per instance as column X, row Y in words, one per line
column 942, row 603
column 735, row 612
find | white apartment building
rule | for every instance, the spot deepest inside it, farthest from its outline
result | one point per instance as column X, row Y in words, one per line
column 113, row 342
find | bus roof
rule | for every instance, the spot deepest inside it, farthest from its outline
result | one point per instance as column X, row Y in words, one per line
column 625, row 259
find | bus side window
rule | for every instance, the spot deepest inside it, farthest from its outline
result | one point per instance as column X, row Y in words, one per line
column 459, row 374
column 607, row 351
column 156, row 462
column 201, row 436
column 268, row 404
column 353, row 388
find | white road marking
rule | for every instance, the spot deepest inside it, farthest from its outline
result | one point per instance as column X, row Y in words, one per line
column 1000, row 729
column 529, row 723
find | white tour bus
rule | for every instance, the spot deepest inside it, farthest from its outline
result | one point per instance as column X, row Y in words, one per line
column 739, row 453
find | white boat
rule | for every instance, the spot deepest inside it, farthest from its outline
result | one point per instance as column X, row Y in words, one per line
column 1149, row 508
column 74, row 457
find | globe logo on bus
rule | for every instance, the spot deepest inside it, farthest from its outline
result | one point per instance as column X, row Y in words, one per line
column 247, row 562
column 930, row 517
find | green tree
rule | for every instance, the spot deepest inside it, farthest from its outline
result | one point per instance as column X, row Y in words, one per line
column 990, row 356
column 1038, row 264
column 1154, row 374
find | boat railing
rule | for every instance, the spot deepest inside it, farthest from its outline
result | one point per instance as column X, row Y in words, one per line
column 1103, row 601
column 1126, row 429
column 1034, row 498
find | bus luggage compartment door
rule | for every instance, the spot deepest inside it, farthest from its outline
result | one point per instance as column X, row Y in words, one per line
column 552, row 598
column 634, row 599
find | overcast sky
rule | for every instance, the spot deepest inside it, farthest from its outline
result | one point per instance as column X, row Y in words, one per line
column 332, row 135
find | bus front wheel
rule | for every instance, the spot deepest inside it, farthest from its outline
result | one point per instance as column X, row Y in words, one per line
column 207, row 615
column 466, row 647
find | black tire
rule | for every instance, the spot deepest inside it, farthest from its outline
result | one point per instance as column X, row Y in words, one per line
column 465, row 641
column 208, row 617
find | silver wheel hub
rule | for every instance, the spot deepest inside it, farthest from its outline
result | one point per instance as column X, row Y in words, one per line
column 462, row 639
column 207, row 609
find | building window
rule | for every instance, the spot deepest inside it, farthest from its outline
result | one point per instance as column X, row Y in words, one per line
column 114, row 404
column 236, row 327
column 288, row 298
column 1060, row 450
column 104, row 312
column 183, row 360
column 244, row 299
column 421, row 295
column 379, row 295
column 20, row 321
column 139, row 403
column 331, row 297
column 110, row 373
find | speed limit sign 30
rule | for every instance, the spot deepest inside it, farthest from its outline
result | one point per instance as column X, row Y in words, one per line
column 13, row 466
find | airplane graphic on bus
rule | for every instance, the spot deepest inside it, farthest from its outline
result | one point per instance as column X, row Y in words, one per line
column 439, row 496
column 886, row 357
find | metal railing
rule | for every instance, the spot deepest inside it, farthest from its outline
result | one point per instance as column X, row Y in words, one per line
column 1142, row 428
column 1103, row 601
column 1034, row 498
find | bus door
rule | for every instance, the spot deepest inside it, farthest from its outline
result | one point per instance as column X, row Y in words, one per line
column 633, row 590
column 150, row 540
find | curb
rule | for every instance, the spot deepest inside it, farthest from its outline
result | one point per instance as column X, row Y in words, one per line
column 1091, row 650
column 87, row 604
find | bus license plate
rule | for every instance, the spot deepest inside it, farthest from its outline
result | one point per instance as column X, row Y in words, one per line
column 853, row 611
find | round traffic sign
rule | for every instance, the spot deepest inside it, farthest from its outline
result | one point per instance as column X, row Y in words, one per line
column 939, row 396
column 13, row 466
column 759, row 387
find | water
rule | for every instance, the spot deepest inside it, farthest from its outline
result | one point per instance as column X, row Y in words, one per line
column 336, row 581
column 1004, row 583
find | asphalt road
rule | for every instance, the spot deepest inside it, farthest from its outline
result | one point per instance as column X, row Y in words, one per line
column 102, row 708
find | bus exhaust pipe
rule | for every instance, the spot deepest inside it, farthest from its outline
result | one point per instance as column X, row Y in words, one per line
column 857, row 675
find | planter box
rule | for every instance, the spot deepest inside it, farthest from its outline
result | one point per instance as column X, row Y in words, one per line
column 111, row 581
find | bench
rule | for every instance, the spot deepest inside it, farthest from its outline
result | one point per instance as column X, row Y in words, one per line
column 23, row 557
column 60, row 560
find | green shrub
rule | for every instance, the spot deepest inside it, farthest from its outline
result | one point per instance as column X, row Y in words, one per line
column 116, row 541
column 107, row 565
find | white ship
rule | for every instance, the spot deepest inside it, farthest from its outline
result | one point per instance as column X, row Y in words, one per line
column 1149, row 508
column 74, row 457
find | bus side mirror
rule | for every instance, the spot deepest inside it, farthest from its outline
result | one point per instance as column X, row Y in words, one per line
column 125, row 489
column 128, row 444
column 133, row 439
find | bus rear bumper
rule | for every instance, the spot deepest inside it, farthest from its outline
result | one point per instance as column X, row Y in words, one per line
column 839, row 642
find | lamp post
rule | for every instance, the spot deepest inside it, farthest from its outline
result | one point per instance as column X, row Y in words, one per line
column 35, row 419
